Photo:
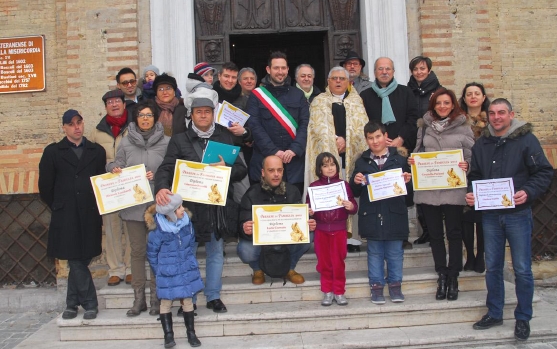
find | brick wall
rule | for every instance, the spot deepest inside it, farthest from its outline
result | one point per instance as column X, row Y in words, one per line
column 509, row 45
column 86, row 43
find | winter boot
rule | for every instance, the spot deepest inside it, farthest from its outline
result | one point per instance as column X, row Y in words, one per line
column 452, row 292
column 166, row 321
column 139, row 303
column 441, row 287
column 190, row 330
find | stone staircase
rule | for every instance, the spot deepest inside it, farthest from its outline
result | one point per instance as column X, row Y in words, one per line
column 290, row 316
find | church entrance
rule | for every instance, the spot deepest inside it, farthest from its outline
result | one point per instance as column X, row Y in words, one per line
column 319, row 33
column 309, row 47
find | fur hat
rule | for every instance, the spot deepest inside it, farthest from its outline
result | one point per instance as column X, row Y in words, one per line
column 151, row 68
column 165, row 79
column 202, row 68
column 170, row 208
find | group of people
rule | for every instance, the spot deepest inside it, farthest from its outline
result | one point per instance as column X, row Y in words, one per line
column 296, row 137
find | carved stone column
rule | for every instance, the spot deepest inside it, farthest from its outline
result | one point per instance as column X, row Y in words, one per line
column 384, row 33
column 173, row 38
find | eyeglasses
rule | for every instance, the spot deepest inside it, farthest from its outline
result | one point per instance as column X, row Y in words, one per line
column 167, row 88
column 114, row 101
column 355, row 63
column 145, row 116
column 129, row 82
column 338, row 78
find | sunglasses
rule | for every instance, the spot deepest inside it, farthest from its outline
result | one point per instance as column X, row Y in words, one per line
column 129, row 82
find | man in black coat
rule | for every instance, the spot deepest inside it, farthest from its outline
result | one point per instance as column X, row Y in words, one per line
column 189, row 146
column 75, row 230
column 394, row 106
column 272, row 190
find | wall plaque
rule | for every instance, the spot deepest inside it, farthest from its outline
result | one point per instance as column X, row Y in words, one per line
column 22, row 64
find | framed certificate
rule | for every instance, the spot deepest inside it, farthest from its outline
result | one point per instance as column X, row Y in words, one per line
column 228, row 114
column 202, row 183
column 116, row 191
column 385, row 184
column 280, row 224
column 327, row 197
column 438, row 170
column 493, row 194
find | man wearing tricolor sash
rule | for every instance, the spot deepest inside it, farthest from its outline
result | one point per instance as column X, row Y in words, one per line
column 279, row 119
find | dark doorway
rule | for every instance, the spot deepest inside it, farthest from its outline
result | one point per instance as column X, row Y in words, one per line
column 301, row 47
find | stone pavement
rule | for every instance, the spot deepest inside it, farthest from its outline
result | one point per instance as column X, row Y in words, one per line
column 14, row 328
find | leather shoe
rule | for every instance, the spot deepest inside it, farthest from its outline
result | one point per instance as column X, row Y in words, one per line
column 69, row 313
column 217, row 305
column 129, row 279
column 406, row 245
column 487, row 322
column 521, row 330
column 294, row 277
column 114, row 280
column 258, row 277
column 353, row 248
column 91, row 314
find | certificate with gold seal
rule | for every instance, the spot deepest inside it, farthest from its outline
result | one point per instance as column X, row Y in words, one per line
column 385, row 184
column 280, row 224
column 116, row 191
column 438, row 170
column 493, row 194
column 202, row 183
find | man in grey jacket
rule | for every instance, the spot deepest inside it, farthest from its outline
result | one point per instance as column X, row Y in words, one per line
column 354, row 64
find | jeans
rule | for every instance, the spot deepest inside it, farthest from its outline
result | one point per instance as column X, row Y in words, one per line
column 249, row 253
column 453, row 223
column 213, row 268
column 81, row 289
column 377, row 253
column 516, row 228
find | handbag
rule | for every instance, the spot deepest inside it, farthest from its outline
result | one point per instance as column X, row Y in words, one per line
column 228, row 219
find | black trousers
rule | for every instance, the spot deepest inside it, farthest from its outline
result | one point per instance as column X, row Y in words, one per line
column 81, row 289
column 453, row 223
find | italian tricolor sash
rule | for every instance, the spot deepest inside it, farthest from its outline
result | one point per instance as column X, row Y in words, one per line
column 279, row 112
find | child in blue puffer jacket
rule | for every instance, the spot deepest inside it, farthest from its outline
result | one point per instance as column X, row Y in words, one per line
column 171, row 253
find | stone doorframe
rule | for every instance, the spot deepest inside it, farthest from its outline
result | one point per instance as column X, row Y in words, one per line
column 384, row 32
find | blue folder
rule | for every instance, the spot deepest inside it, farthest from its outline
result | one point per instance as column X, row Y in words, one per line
column 214, row 149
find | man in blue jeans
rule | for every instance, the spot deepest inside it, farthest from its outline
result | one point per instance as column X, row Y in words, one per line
column 508, row 149
column 272, row 190
column 189, row 145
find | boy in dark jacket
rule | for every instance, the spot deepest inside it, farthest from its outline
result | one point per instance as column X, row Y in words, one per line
column 384, row 223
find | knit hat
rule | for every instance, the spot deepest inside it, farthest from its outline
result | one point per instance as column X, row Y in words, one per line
column 202, row 68
column 68, row 116
column 113, row 94
column 165, row 79
column 151, row 68
column 168, row 209
column 202, row 102
column 353, row 55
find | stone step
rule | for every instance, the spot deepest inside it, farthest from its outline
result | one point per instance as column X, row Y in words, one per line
column 290, row 317
column 240, row 290
column 449, row 335
column 419, row 256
